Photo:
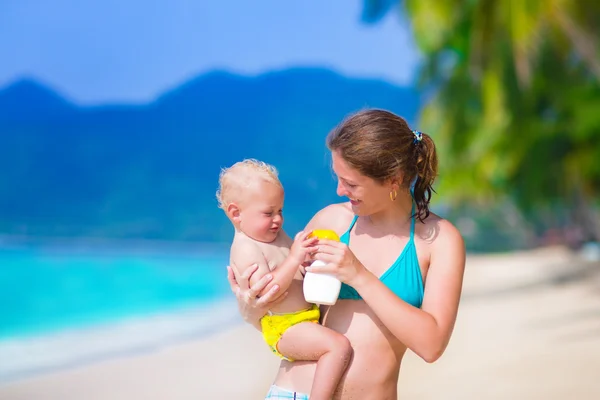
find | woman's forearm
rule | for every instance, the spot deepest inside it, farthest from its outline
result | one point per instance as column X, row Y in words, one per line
column 415, row 328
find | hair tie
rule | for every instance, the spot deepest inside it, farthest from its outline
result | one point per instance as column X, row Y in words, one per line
column 418, row 136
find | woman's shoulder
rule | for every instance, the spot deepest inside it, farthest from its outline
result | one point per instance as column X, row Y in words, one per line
column 336, row 217
column 439, row 232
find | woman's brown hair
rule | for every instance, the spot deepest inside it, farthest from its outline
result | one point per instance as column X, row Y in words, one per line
column 381, row 145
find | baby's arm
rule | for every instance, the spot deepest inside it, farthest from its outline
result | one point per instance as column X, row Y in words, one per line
column 284, row 274
column 246, row 254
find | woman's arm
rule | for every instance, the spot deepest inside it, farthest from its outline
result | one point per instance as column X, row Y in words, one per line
column 251, row 307
column 426, row 331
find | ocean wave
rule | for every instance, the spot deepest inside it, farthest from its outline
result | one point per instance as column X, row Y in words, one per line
column 28, row 356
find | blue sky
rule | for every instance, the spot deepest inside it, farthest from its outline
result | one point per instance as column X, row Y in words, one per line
column 99, row 51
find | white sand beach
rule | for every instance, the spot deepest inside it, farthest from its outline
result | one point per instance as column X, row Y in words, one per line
column 528, row 328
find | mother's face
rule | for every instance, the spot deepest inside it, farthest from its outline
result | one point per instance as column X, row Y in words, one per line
column 365, row 194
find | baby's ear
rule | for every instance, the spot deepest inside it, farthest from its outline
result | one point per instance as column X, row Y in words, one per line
column 233, row 212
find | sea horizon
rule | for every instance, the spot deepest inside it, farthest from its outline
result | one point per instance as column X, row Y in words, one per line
column 66, row 302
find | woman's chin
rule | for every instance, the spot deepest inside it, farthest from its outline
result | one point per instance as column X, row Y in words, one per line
column 358, row 207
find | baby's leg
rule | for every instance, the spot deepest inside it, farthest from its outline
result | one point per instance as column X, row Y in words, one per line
column 309, row 341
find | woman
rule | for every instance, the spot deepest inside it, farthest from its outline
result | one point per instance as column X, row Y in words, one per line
column 401, row 266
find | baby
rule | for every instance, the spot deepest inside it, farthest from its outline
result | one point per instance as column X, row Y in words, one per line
column 252, row 196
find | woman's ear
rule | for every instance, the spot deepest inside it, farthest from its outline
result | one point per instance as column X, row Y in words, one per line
column 395, row 183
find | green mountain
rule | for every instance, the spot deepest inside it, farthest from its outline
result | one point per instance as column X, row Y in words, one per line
column 150, row 171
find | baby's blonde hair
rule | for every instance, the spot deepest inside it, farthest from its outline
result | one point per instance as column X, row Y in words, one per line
column 241, row 175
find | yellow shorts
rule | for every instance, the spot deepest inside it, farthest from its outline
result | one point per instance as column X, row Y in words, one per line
column 275, row 325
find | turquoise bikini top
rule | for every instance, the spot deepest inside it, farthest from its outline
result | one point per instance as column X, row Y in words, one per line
column 403, row 277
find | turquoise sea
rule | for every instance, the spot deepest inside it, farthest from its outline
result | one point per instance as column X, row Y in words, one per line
column 62, row 304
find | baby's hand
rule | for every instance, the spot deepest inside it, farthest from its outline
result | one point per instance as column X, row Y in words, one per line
column 303, row 247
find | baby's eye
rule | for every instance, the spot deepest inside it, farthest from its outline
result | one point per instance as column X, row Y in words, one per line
column 269, row 214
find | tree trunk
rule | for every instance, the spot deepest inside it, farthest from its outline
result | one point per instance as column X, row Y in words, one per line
column 584, row 214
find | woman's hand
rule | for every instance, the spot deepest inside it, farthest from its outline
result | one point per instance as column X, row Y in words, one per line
column 339, row 261
column 251, row 307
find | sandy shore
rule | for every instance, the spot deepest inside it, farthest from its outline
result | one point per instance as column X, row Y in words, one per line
column 528, row 328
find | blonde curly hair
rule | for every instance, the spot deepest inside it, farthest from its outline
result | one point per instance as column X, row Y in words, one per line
column 241, row 175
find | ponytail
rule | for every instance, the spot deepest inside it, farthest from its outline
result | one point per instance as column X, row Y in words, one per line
column 380, row 145
column 426, row 164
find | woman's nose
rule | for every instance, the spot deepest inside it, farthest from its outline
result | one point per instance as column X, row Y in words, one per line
column 341, row 191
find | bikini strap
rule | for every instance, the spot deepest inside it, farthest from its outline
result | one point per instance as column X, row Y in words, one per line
column 354, row 219
column 345, row 238
column 412, row 221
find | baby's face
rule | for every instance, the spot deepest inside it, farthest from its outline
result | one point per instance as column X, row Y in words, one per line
column 261, row 212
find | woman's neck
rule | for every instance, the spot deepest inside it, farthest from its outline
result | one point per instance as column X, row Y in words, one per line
column 395, row 215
